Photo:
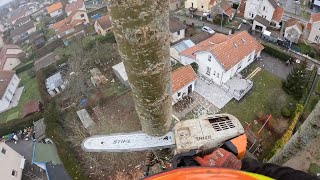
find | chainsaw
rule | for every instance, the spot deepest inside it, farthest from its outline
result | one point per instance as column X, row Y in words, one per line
column 187, row 138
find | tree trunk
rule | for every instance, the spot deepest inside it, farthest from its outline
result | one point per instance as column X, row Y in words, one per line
column 307, row 132
column 141, row 28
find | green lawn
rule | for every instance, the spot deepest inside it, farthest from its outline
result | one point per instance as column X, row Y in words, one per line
column 32, row 93
column 317, row 89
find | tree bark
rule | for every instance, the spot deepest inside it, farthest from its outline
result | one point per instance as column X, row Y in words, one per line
column 141, row 28
column 307, row 132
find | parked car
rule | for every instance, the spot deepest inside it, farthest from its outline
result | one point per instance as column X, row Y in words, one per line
column 206, row 13
column 208, row 30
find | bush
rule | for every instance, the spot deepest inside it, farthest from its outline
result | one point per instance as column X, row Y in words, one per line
column 18, row 124
column 287, row 135
column 25, row 67
column 286, row 112
column 278, row 53
column 195, row 66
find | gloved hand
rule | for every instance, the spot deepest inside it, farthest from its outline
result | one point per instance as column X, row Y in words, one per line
column 219, row 158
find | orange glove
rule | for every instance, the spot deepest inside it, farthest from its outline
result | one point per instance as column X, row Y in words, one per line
column 219, row 158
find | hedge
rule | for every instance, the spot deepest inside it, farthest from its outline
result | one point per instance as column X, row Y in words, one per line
column 276, row 52
column 25, row 67
column 18, row 124
column 287, row 135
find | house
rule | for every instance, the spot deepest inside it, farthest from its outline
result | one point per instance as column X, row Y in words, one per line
column 177, row 30
column 183, row 82
column 55, row 9
column 315, row 5
column 21, row 21
column 175, row 4
column 293, row 30
column 68, row 25
column 314, row 28
column 120, row 71
column 10, row 57
column 46, row 157
column 18, row 13
column 225, row 10
column 31, row 107
column 86, row 120
column 75, row 5
column 23, row 31
column 221, row 57
column 200, row 5
column 11, row 163
column 179, row 47
column 55, row 84
column 9, row 83
column 103, row 25
column 268, row 12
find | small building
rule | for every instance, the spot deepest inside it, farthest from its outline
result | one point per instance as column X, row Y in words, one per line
column 31, row 107
column 97, row 78
column 55, row 9
column 55, row 84
column 177, row 30
column 75, row 5
column 270, row 36
column 23, row 31
column 120, row 71
column 313, row 28
column 183, row 82
column 39, row 129
column 260, row 24
column 175, row 4
column 103, row 25
column 46, row 157
column 86, row 120
column 9, row 83
column 11, row 163
column 293, row 30
column 179, row 47
column 226, row 10
column 10, row 57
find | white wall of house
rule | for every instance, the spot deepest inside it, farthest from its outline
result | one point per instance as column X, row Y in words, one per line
column 32, row 30
column 292, row 33
column 174, row 54
column 262, row 8
column 10, row 161
column 99, row 29
column 7, row 96
column 181, row 93
column 81, row 15
column 11, row 63
column 177, row 36
column 314, row 35
column 56, row 13
column 185, row 60
column 82, row 8
column 256, row 23
column 201, row 5
column 209, row 68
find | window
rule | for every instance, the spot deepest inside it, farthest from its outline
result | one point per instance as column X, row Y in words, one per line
column 264, row 8
column 250, row 58
column 316, row 38
column 179, row 94
column 10, row 92
column 239, row 65
column 209, row 58
column 214, row 73
column 178, row 32
column 3, row 151
column 208, row 71
column 218, row 75
column 14, row 172
column 202, row 7
column 82, row 15
column 7, row 98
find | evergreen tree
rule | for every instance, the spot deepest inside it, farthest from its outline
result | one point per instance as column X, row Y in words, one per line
column 296, row 81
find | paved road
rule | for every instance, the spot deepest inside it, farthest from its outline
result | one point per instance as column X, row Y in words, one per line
column 291, row 7
column 287, row 16
column 23, row 147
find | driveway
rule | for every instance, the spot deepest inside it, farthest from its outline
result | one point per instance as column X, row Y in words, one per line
column 274, row 66
column 24, row 148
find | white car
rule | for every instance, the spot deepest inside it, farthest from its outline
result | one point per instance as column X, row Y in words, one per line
column 206, row 13
column 208, row 30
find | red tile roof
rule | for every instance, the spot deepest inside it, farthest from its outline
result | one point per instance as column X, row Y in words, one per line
column 54, row 7
column 4, row 55
column 67, row 23
column 308, row 26
column 74, row 6
column 315, row 17
column 278, row 13
column 292, row 22
column 70, row 26
column 182, row 77
column 5, row 78
column 105, row 22
column 212, row 2
column 30, row 108
column 242, row 8
column 226, row 7
column 228, row 50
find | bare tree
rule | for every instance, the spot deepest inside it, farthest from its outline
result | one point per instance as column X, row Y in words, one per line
column 309, row 131
column 141, row 28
